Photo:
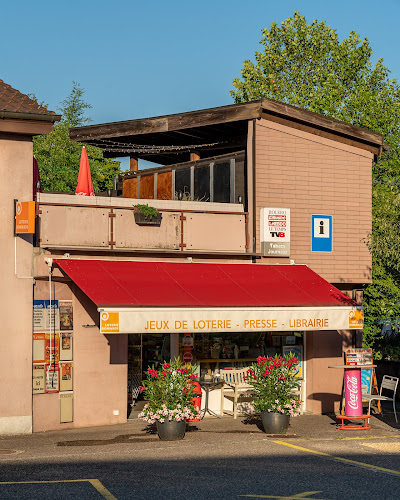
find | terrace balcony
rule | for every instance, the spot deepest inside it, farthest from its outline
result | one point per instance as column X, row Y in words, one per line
column 84, row 224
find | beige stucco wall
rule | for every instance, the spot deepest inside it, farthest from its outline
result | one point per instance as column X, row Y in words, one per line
column 99, row 364
column 324, row 384
column 15, row 290
column 314, row 175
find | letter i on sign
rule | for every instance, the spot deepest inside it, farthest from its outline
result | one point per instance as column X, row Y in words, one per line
column 321, row 233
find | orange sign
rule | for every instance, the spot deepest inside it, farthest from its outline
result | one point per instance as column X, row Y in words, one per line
column 25, row 217
column 109, row 322
column 356, row 319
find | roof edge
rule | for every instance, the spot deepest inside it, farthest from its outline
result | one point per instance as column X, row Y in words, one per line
column 15, row 115
column 321, row 121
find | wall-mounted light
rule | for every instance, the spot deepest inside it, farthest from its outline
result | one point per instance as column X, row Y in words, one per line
column 89, row 326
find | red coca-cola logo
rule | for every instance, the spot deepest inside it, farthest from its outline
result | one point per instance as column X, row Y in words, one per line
column 352, row 388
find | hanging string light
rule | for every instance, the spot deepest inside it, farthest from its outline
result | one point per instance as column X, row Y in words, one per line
column 123, row 147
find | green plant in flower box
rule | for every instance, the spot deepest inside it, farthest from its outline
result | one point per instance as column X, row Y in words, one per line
column 274, row 379
column 169, row 392
column 148, row 212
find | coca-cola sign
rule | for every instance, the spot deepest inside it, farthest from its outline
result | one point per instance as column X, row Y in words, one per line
column 353, row 392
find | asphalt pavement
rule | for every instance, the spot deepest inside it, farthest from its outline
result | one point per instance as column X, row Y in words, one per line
column 218, row 459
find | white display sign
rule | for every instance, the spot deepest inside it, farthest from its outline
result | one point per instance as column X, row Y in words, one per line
column 275, row 231
column 201, row 320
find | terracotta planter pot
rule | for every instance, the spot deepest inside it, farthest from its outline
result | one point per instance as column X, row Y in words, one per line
column 275, row 423
column 171, row 430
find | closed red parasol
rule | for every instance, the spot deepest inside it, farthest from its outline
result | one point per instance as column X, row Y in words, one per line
column 85, row 185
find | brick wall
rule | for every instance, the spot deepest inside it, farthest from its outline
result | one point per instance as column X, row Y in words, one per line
column 313, row 175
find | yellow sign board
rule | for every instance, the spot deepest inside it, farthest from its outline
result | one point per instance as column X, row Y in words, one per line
column 195, row 320
column 109, row 322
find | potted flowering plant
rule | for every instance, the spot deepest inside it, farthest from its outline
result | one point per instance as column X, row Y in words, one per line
column 274, row 379
column 169, row 392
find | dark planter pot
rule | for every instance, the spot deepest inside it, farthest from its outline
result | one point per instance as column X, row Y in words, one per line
column 275, row 423
column 171, row 430
column 141, row 220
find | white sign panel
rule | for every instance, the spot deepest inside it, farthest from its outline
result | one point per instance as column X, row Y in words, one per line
column 281, row 319
column 275, row 231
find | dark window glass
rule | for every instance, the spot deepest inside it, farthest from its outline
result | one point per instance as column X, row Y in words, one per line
column 222, row 182
column 240, row 191
column 182, row 182
column 202, row 183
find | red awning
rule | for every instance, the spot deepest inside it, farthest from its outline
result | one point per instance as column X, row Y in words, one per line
column 188, row 285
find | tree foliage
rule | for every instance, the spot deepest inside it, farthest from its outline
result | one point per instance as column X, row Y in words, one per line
column 59, row 158
column 306, row 65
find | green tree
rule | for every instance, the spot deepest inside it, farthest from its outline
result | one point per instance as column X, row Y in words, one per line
column 306, row 65
column 59, row 158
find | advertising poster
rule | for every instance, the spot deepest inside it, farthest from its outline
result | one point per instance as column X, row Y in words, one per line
column 52, row 378
column 66, row 317
column 66, row 407
column 38, row 376
column 66, row 346
column 52, row 315
column 275, row 231
column 66, row 377
column 39, row 345
column 52, row 348
column 39, row 315
column 297, row 352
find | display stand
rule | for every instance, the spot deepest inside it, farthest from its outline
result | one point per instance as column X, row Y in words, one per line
column 353, row 397
column 362, row 357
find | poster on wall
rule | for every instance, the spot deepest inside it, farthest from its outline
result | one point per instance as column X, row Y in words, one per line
column 39, row 315
column 38, row 378
column 52, row 348
column 66, row 316
column 52, row 378
column 297, row 351
column 66, row 346
column 52, row 315
column 66, row 407
column 66, row 377
column 39, row 345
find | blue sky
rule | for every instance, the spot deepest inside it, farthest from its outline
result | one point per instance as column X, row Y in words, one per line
column 137, row 59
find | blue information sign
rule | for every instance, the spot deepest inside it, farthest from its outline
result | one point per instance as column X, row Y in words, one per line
column 321, row 233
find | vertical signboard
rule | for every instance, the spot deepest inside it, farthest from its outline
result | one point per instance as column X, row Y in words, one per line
column 275, row 232
column 321, row 233
column 24, row 217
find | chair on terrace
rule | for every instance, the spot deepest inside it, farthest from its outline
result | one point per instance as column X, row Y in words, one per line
column 234, row 387
column 389, row 384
